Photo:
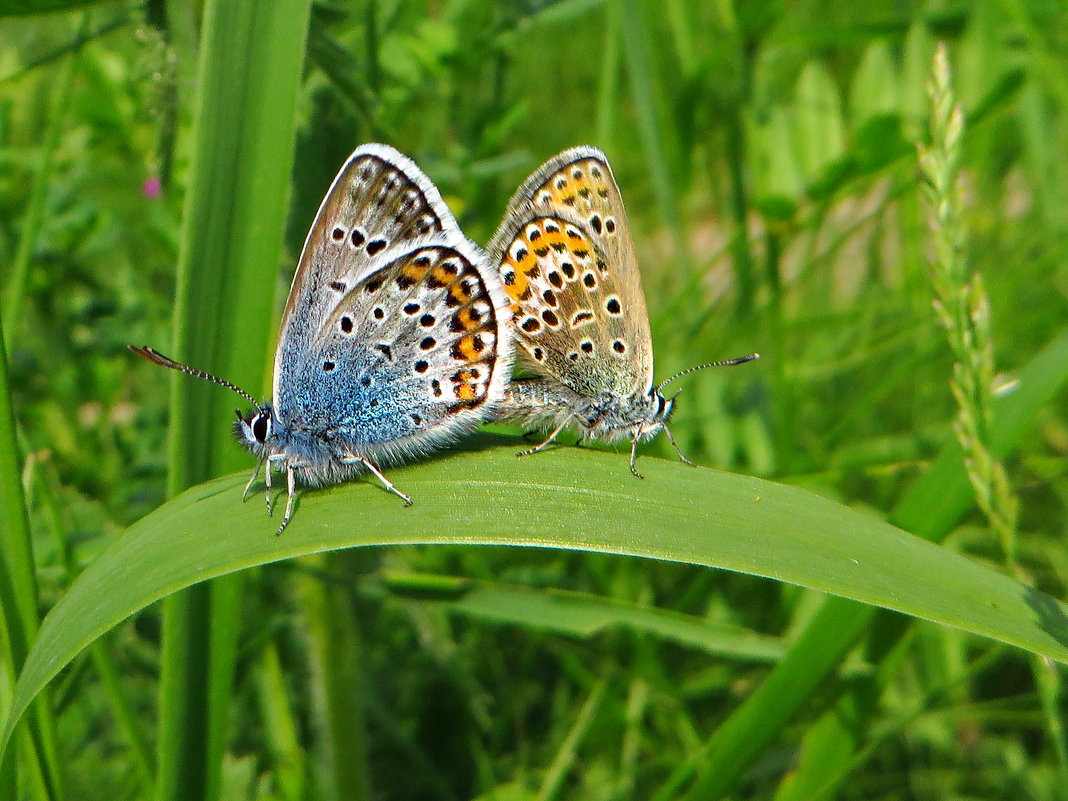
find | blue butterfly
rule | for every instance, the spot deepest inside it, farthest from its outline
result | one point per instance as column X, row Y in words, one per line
column 394, row 340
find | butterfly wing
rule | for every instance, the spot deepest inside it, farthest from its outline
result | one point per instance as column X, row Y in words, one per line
column 411, row 355
column 379, row 198
column 566, row 259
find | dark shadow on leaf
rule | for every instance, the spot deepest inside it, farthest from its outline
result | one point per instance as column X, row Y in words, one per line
column 1051, row 617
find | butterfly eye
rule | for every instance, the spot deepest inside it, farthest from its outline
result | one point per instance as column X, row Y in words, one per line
column 667, row 407
column 261, row 427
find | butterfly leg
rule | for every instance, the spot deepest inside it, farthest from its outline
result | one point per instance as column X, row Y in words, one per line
column 267, row 475
column 360, row 460
column 634, row 454
column 675, row 445
column 267, row 479
column 546, row 443
column 291, row 482
column 255, row 475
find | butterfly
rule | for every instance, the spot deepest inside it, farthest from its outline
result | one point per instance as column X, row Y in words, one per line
column 566, row 259
column 394, row 339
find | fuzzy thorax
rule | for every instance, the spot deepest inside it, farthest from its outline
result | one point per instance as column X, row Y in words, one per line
column 318, row 459
column 543, row 404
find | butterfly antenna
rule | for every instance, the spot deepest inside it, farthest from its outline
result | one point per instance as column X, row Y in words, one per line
column 725, row 363
column 156, row 357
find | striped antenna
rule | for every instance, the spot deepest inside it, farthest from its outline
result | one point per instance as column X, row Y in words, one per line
column 156, row 357
column 725, row 363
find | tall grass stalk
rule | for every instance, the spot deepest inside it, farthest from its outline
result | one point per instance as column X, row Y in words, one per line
column 930, row 509
column 645, row 94
column 245, row 120
column 40, row 778
column 335, row 656
column 963, row 309
column 281, row 729
column 15, row 292
column 101, row 653
column 567, row 756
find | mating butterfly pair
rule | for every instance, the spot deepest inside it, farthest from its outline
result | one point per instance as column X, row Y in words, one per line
column 399, row 332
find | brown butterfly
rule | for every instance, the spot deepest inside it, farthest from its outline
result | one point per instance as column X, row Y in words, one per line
column 567, row 262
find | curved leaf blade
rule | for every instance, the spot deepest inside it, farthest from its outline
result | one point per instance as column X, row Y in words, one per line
column 568, row 498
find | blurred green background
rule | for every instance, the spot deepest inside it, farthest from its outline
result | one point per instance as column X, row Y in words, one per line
column 767, row 155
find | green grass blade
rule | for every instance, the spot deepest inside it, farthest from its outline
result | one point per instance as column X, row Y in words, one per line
column 18, row 601
column 249, row 78
column 567, row 755
column 15, row 297
column 125, row 715
column 281, row 729
column 335, row 658
column 234, row 220
column 638, row 57
column 582, row 615
column 584, row 500
column 607, row 107
column 18, row 590
column 199, row 635
column 929, row 510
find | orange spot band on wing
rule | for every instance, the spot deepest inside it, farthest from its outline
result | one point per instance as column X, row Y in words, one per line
column 456, row 289
column 442, row 276
column 515, row 275
column 463, row 376
column 468, row 320
column 468, row 347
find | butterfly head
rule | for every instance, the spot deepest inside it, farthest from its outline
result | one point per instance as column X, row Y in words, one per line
column 649, row 420
column 639, row 417
column 664, row 407
column 255, row 429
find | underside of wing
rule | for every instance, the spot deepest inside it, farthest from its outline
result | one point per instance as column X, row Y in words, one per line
column 409, row 357
column 567, row 262
column 378, row 200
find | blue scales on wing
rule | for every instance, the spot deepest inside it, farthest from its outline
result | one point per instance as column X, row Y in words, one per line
column 408, row 359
